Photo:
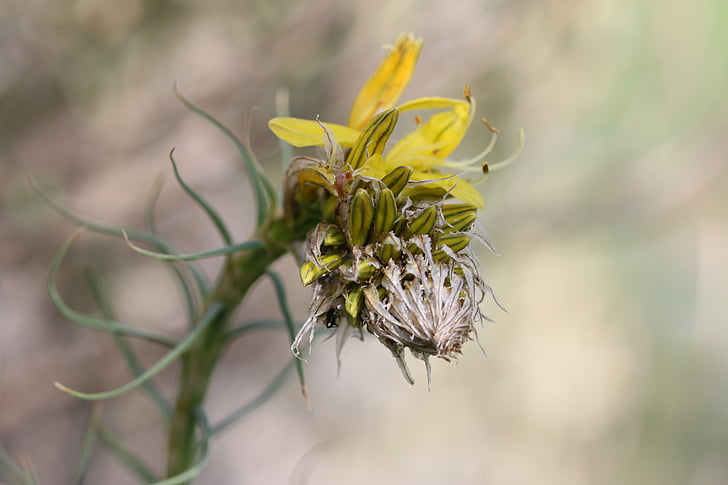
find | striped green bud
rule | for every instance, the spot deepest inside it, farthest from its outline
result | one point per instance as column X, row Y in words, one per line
column 374, row 138
column 440, row 256
column 353, row 301
column 386, row 212
column 425, row 192
column 397, row 179
column 311, row 271
column 451, row 210
column 361, row 215
column 424, row 223
column 334, row 237
column 456, row 242
column 460, row 221
column 389, row 249
column 414, row 248
column 399, row 226
column 366, row 269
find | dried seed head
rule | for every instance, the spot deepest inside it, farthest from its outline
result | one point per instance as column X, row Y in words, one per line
column 405, row 273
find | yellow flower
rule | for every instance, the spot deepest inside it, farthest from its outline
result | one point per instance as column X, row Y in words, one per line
column 425, row 149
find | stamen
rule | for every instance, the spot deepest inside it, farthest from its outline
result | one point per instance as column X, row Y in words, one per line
column 490, row 127
column 466, row 93
column 418, row 119
column 477, row 159
column 516, row 154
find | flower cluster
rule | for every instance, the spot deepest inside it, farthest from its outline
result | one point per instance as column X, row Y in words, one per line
column 392, row 252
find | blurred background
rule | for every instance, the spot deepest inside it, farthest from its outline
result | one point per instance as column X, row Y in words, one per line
column 610, row 366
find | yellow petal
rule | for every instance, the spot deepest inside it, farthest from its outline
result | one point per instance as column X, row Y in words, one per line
column 431, row 103
column 385, row 87
column 436, row 138
column 304, row 133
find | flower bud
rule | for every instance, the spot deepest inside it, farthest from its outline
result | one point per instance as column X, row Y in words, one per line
column 397, row 179
column 334, row 237
column 361, row 216
column 353, row 301
column 460, row 217
column 424, row 223
column 386, row 212
column 456, row 242
column 390, row 248
column 366, row 269
column 310, row 271
column 374, row 138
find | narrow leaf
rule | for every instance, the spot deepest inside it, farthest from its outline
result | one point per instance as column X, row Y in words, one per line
column 126, row 349
column 251, row 406
column 150, row 239
column 90, row 321
column 132, row 462
column 290, row 325
column 257, row 178
column 194, row 256
column 162, row 364
column 207, row 208
column 88, row 443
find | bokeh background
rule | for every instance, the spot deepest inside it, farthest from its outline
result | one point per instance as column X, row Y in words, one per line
column 610, row 366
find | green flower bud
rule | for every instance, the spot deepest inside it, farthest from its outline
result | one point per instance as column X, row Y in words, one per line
column 353, row 301
column 460, row 221
column 386, row 212
column 389, row 249
column 310, row 271
column 456, row 242
column 361, row 215
column 374, row 138
column 366, row 269
column 334, row 237
column 424, row 192
column 397, row 179
column 451, row 210
column 424, row 223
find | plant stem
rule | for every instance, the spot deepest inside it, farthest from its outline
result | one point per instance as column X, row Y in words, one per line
column 241, row 271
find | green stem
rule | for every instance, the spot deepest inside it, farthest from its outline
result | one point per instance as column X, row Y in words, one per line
column 241, row 271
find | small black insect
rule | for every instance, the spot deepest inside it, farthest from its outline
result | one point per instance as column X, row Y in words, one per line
column 332, row 318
